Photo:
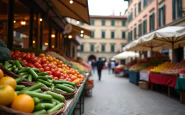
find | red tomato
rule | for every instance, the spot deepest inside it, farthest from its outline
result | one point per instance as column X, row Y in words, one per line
column 41, row 55
column 46, row 68
column 49, row 72
column 44, row 65
column 52, row 70
column 62, row 77
column 56, row 78
column 41, row 69
column 27, row 57
column 57, row 73
column 43, row 60
column 37, row 65
column 23, row 55
column 32, row 54
column 31, row 65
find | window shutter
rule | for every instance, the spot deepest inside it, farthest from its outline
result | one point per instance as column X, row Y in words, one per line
column 173, row 9
column 153, row 21
column 159, row 14
column 164, row 15
column 179, row 8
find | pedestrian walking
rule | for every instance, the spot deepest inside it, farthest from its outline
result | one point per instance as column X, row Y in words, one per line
column 112, row 66
column 99, row 65
column 109, row 66
column 93, row 64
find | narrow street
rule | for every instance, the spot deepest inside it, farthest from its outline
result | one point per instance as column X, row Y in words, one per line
column 116, row 96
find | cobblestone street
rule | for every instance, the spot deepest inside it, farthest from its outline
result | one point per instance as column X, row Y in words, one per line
column 116, row 96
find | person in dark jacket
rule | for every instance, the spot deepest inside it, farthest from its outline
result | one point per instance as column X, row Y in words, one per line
column 99, row 65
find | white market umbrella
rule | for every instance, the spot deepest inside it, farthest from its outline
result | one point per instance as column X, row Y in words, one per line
column 165, row 38
column 125, row 55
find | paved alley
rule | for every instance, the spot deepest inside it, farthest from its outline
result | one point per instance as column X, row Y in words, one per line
column 116, row 96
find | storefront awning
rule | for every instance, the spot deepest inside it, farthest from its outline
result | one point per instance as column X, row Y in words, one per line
column 77, row 10
column 79, row 30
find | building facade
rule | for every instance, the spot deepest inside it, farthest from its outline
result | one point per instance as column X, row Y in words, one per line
column 108, row 37
column 145, row 16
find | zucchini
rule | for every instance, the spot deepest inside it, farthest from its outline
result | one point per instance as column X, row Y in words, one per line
column 65, row 88
column 45, row 82
column 39, row 95
column 43, row 111
column 63, row 81
column 36, row 100
column 56, row 108
column 24, row 69
column 56, row 96
column 19, row 87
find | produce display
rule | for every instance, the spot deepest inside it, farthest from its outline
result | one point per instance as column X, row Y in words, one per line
column 28, row 99
column 148, row 69
column 52, row 66
column 136, row 65
column 147, row 64
column 163, row 66
column 178, row 68
column 35, row 75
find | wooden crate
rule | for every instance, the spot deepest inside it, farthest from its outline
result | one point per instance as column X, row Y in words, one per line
column 143, row 84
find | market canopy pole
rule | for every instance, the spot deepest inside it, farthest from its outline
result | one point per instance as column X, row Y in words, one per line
column 49, row 37
column 11, row 4
column 31, row 28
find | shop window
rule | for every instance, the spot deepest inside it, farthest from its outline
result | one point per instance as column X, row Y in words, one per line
column 92, row 34
column 112, row 47
column 130, row 17
column 144, row 26
column 176, row 9
column 103, row 34
column 130, row 36
column 149, row 1
column 92, row 47
column 135, row 13
column 103, row 47
column 140, row 29
column 112, row 22
column 82, row 47
column 18, row 35
column 144, row 3
column 103, row 22
column 112, row 34
column 81, row 23
column 152, row 22
column 139, row 7
column 92, row 22
column 123, row 23
column 162, row 16
column 123, row 34
column 135, row 33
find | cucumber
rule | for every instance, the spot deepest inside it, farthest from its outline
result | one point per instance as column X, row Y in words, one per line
column 34, row 87
column 43, row 111
column 19, row 87
column 56, row 108
column 39, row 106
column 45, row 82
column 16, row 70
column 9, row 65
column 56, row 96
column 18, row 64
column 34, row 74
column 54, row 100
column 65, row 88
column 59, row 90
column 24, row 69
column 23, row 73
column 35, row 70
column 14, row 66
column 38, row 90
column 30, row 77
column 42, row 77
column 68, row 85
column 10, row 69
column 6, row 64
column 18, row 80
column 24, row 76
column 39, row 95
column 42, row 74
column 63, row 81
column 36, row 100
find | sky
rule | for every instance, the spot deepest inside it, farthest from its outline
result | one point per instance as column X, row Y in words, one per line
column 106, row 7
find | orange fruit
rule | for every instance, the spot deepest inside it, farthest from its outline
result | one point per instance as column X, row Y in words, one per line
column 1, row 74
column 8, row 81
column 23, row 103
column 6, row 94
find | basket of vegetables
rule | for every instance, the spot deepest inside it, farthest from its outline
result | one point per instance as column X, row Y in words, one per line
column 19, row 99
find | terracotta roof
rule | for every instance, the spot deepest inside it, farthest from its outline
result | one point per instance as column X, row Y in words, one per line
column 108, row 17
